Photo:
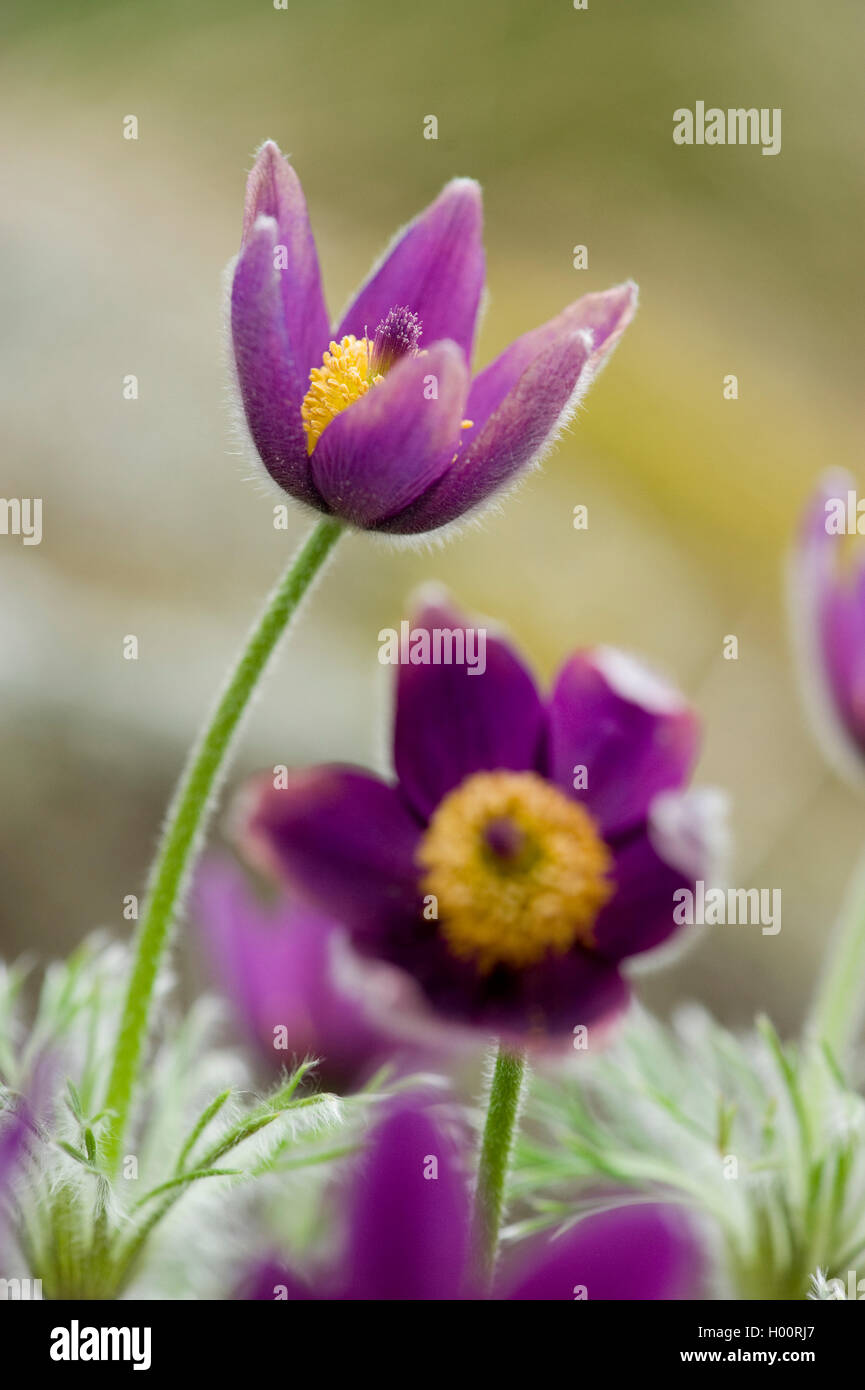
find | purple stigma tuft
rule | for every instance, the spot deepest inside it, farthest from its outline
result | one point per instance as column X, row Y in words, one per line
column 503, row 838
column 397, row 336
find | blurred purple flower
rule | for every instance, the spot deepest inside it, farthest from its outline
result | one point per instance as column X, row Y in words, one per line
column 528, row 846
column 828, row 623
column 13, row 1140
column 13, row 1147
column 13, row 1144
column 408, row 1219
column 20, row 1133
column 383, row 426
column 295, row 984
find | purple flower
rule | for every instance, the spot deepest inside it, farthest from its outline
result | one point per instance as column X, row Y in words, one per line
column 528, row 845
column 828, row 621
column 13, row 1148
column 379, row 422
column 297, row 987
column 20, row 1131
column 408, row 1218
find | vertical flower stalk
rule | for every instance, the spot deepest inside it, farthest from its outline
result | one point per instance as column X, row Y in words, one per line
column 186, row 823
column 506, row 1091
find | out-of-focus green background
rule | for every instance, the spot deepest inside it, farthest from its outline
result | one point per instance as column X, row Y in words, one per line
column 111, row 256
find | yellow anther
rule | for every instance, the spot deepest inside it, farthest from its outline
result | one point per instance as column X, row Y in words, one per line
column 343, row 377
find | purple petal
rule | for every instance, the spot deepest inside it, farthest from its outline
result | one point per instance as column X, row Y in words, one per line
column 409, row 1228
column 634, row 735
column 539, row 1005
column 273, row 190
column 434, row 268
column 283, row 966
column 637, row 1252
column 20, row 1133
column 13, row 1145
column 603, row 316
column 450, row 723
column 828, row 622
column 344, row 839
column 543, row 399
column 685, row 839
column 271, row 376
column 519, row 403
column 269, row 958
column 382, row 452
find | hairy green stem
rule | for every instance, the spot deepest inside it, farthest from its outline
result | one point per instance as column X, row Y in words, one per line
column 839, row 1003
column 186, row 822
column 498, row 1138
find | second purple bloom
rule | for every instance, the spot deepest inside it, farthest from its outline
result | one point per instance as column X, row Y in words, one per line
column 528, row 845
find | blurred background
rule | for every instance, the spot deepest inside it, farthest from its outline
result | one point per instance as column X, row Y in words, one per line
column 111, row 258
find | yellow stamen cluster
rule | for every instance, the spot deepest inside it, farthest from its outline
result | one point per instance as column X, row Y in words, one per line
column 343, row 377
column 537, row 893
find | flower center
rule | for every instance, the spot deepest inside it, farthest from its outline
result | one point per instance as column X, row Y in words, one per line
column 344, row 376
column 519, row 871
column 349, row 368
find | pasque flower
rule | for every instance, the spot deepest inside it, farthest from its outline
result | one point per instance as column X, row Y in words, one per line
column 378, row 422
column 828, row 621
column 527, row 847
column 408, row 1222
column 296, row 985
